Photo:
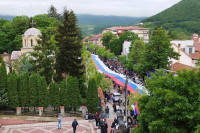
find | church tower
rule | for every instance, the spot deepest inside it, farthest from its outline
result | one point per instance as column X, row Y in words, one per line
column 29, row 40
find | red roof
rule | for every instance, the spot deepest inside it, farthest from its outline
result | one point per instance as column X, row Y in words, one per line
column 126, row 28
column 95, row 37
column 197, row 48
column 195, row 55
column 178, row 66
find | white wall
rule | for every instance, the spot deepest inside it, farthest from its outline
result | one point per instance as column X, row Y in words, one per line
column 126, row 48
column 184, row 58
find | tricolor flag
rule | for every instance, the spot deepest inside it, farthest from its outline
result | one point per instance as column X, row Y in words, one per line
column 135, row 108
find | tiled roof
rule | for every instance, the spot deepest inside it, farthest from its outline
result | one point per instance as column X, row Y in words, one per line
column 197, row 48
column 195, row 55
column 178, row 66
column 127, row 28
column 15, row 55
column 95, row 37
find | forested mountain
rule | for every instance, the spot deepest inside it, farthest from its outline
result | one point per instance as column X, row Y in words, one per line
column 183, row 17
column 93, row 24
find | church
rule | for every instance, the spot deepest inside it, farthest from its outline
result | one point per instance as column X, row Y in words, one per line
column 29, row 40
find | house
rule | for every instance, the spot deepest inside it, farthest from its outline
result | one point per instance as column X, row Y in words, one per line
column 96, row 39
column 184, row 58
column 178, row 67
column 142, row 33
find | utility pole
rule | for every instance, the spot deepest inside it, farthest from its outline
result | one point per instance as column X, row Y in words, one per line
column 126, row 84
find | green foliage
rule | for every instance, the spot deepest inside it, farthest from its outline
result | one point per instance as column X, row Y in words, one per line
column 24, row 89
column 69, row 43
column 92, row 96
column 179, row 16
column 137, row 51
column 198, row 62
column 3, row 85
column 43, row 100
column 116, row 46
column 22, row 65
column 172, row 104
column 74, row 94
column 106, row 84
column 54, row 95
column 43, row 60
column 34, row 90
column 107, row 38
column 64, row 94
column 52, row 12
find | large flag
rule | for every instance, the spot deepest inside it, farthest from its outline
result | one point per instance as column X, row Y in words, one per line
column 135, row 109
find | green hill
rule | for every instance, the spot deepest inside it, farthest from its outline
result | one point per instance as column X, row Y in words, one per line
column 183, row 17
column 94, row 24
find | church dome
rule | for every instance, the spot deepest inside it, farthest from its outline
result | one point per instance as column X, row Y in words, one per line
column 32, row 32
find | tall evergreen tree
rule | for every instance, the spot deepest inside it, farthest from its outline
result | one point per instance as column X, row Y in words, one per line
column 92, row 96
column 13, row 93
column 33, row 90
column 3, row 85
column 69, row 41
column 64, row 94
column 44, row 62
column 74, row 93
column 54, row 95
column 24, row 89
column 42, row 93
column 52, row 12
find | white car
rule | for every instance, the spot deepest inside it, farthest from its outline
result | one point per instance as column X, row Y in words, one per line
column 117, row 97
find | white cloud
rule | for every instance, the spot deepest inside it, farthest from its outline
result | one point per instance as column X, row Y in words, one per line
column 99, row 7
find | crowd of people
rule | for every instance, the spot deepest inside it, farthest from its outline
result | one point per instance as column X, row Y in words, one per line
column 116, row 65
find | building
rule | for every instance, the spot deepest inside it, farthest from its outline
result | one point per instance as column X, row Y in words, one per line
column 142, row 33
column 96, row 39
column 126, row 48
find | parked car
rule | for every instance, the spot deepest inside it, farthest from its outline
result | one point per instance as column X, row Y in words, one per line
column 117, row 97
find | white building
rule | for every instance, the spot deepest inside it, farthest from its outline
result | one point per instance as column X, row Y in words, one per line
column 126, row 48
column 186, row 45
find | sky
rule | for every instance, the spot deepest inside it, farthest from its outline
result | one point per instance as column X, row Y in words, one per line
column 134, row 8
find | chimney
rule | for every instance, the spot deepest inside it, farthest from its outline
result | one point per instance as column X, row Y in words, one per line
column 179, row 52
column 195, row 38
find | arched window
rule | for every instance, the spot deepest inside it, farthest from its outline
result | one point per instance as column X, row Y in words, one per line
column 31, row 42
column 24, row 43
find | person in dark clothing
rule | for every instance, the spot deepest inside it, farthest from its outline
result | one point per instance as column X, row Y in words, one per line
column 114, row 107
column 97, row 118
column 104, row 126
column 74, row 125
column 107, row 112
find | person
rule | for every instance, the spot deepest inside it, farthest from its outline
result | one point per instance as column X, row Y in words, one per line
column 102, row 115
column 114, row 107
column 113, row 126
column 59, row 121
column 74, row 125
column 97, row 118
column 107, row 112
column 104, row 126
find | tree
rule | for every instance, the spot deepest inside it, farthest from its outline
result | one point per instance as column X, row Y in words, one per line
column 159, row 49
column 116, row 46
column 52, row 12
column 33, row 90
column 42, row 93
column 92, row 96
column 64, row 94
column 137, row 51
column 24, row 90
column 107, row 38
column 3, row 85
column 54, row 95
column 172, row 103
column 198, row 62
column 22, row 65
column 74, row 93
column 13, row 93
column 44, row 56
column 106, row 84
column 69, row 42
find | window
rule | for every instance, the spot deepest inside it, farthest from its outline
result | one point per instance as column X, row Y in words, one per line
column 31, row 42
column 24, row 43
column 190, row 50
